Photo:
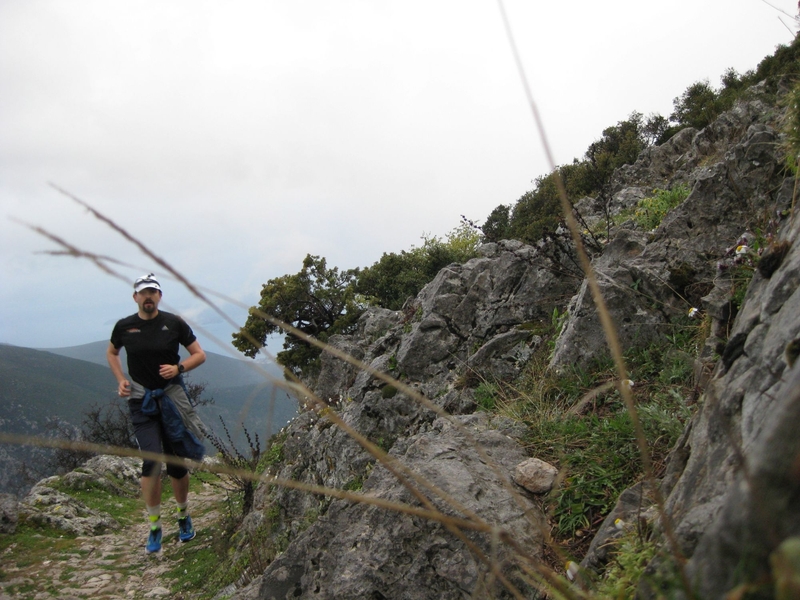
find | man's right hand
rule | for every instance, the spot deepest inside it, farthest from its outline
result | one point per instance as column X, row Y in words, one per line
column 124, row 388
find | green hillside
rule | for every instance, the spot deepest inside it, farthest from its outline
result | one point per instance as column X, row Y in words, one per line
column 41, row 386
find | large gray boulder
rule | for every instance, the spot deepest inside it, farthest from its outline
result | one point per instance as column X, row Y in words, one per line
column 475, row 314
column 50, row 503
column 362, row 551
column 474, row 318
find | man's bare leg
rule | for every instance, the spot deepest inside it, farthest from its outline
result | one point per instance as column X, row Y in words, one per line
column 151, row 489
column 180, row 489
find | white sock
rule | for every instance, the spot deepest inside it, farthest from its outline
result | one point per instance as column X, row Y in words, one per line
column 154, row 516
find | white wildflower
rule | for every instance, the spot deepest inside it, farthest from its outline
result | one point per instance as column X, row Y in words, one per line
column 572, row 570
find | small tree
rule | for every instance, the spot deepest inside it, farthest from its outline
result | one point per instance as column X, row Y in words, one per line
column 696, row 107
column 109, row 424
column 656, row 129
column 620, row 145
column 318, row 301
column 394, row 278
column 195, row 392
column 63, row 460
column 462, row 242
column 538, row 212
column 497, row 224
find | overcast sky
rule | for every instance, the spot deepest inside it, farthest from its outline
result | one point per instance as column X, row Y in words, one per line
column 233, row 138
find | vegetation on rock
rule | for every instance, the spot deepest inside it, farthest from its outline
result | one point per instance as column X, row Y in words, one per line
column 537, row 213
column 321, row 301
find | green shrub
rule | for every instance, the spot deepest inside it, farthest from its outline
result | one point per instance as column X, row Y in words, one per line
column 396, row 277
column 538, row 212
column 355, row 484
column 497, row 224
column 740, row 281
column 620, row 145
column 600, row 458
column 485, row 395
column 630, row 556
column 651, row 211
column 240, row 486
column 697, row 107
column 596, row 450
column 273, row 454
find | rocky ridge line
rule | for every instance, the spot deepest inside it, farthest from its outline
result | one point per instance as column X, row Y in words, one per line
column 479, row 318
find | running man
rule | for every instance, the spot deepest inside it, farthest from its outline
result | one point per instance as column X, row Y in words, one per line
column 151, row 339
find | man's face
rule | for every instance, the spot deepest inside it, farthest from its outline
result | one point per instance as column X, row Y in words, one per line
column 148, row 300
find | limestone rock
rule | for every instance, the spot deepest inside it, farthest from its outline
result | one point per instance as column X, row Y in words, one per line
column 650, row 279
column 729, row 515
column 535, row 475
column 478, row 320
column 336, row 375
column 112, row 473
column 47, row 504
column 362, row 551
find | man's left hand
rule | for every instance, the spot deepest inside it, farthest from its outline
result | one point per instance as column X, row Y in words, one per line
column 168, row 371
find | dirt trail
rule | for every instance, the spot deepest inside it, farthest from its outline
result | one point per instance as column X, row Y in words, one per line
column 115, row 565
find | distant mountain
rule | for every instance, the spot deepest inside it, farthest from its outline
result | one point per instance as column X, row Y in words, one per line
column 46, row 385
column 41, row 387
column 38, row 391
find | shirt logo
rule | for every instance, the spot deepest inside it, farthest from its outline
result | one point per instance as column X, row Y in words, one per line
column 165, row 328
column 133, row 330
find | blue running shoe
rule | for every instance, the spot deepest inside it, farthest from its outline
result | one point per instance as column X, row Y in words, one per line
column 154, row 541
column 186, row 530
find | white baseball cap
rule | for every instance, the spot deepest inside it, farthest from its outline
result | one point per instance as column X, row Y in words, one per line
column 146, row 281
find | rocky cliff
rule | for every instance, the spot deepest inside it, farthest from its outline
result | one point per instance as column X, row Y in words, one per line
column 731, row 484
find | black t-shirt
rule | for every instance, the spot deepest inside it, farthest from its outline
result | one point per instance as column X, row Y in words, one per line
column 150, row 344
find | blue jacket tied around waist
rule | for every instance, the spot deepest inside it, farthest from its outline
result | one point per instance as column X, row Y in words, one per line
column 185, row 443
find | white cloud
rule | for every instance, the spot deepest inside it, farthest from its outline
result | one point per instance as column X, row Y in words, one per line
column 235, row 138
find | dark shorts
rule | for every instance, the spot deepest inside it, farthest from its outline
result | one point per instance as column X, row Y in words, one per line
column 150, row 437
